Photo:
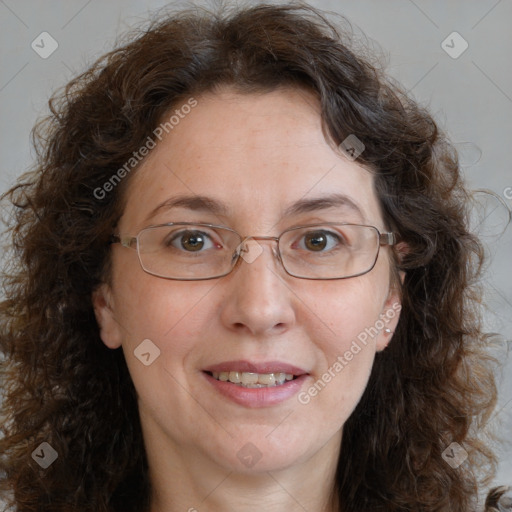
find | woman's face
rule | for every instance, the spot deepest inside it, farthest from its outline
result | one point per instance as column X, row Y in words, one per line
column 257, row 156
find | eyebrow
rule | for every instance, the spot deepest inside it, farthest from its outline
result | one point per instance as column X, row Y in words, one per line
column 195, row 202
column 323, row 203
column 207, row 204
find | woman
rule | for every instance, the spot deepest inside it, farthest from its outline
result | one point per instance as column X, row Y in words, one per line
column 242, row 280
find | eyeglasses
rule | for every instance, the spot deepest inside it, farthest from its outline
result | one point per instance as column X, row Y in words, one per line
column 186, row 251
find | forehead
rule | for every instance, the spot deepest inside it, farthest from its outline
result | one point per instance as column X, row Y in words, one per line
column 257, row 154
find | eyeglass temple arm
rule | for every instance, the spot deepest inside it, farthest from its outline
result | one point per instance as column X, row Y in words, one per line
column 387, row 239
column 127, row 241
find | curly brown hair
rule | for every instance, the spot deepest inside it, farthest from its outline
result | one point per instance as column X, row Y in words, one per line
column 434, row 385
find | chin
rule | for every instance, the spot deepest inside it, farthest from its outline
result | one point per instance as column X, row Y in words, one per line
column 259, row 454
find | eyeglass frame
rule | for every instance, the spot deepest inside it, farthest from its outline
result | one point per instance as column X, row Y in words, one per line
column 388, row 238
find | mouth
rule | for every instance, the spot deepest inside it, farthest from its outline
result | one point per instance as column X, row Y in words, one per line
column 252, row 379
column 245, row 377
column 256, row 385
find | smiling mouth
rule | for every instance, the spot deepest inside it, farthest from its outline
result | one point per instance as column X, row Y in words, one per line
column 253, row 380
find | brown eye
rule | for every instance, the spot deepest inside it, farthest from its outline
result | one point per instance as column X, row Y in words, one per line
column 190, row 241
column 321, row 241
column 193, row 241
column 315, row 241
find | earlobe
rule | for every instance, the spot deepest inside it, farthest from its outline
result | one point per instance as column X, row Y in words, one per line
column 389, row 318
column 110, row 332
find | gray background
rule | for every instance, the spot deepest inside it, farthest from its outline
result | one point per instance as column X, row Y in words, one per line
column 470, row 96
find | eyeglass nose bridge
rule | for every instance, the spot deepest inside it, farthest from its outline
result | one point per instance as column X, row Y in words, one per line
column 248, row 255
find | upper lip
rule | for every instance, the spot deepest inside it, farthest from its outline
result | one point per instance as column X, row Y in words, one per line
column 251, row 367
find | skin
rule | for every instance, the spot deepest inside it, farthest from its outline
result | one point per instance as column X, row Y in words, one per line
column 257, row 154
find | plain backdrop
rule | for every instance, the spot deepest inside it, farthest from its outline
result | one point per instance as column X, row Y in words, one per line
column 469, row 91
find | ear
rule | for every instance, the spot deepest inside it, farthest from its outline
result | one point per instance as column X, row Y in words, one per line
column 389, row 316
column 110, row 331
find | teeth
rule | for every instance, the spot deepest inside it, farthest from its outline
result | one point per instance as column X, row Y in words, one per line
column 249, row 378
column 235, row 377
column 269, row 379
column 253, row 380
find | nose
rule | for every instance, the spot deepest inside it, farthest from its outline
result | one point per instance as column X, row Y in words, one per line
column 258, row 298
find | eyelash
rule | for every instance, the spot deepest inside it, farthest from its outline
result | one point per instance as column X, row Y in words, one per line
column 338, row 237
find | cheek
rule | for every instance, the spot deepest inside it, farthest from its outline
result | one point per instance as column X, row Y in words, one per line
column 339, row 312
column 163, row 318
column 344, row 323
column 164, row 325
column 150, row 306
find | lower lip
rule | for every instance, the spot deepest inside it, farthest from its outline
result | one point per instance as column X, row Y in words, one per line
column 257, row 397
